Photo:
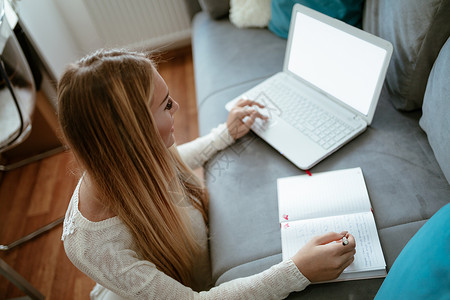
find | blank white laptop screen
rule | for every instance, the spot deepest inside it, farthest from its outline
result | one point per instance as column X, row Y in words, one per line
column 340, row 64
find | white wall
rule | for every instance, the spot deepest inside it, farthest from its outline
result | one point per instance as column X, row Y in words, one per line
column 63, row 31
column 75, row 13
column 49, row 33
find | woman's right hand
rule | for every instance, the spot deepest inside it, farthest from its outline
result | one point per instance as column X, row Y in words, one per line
column 321, row 259
column 243, row 108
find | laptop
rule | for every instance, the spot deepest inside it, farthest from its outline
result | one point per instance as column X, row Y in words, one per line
column 328, row 90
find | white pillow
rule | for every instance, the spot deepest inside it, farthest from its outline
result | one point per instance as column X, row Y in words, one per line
column 250, row 13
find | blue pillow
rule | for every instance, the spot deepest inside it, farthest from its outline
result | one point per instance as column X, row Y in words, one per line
column 349, row 11
column 422, row 270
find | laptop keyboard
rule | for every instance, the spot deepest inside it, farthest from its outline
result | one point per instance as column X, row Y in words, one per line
column 323, row 128
column 320, row 126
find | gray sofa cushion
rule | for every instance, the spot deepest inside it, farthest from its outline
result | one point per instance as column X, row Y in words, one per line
column 398, row 163
column 403, row 178
column 417, row 29
column 405, row 184
column 404, row 181
column 436, row 109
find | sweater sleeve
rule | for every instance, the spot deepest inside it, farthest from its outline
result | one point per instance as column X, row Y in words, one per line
column 200, row 150
column 122, row 272
column 275, row 283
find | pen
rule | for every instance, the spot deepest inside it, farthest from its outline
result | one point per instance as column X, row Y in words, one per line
column 344, row 241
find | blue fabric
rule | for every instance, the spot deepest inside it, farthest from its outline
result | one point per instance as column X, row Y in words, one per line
column 349, row 11
column 422, row 270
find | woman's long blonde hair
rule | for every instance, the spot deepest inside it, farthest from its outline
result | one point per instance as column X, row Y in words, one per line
column 104, row 111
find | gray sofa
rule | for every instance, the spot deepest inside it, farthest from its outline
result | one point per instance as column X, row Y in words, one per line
column 404, row 154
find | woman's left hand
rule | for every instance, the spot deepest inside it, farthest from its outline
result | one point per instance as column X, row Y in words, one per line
column 235, row 122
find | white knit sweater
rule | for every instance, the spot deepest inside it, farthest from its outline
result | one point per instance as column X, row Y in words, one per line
column 105, row 252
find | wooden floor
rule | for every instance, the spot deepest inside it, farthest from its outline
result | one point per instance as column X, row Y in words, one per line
column 38, row 193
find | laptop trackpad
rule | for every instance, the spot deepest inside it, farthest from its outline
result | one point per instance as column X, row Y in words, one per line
column 290, row 142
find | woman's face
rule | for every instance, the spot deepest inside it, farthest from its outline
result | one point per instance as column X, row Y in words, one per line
column 163, row 108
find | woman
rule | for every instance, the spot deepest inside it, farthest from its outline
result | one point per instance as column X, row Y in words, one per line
column 137, row 221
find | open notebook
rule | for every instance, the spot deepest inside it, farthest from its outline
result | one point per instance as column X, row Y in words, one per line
column 331, row 201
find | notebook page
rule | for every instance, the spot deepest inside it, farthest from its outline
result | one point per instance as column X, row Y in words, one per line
column 322, row 194
column 369, row 255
